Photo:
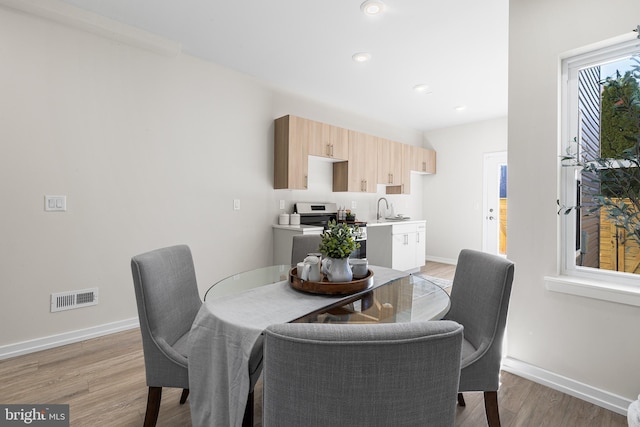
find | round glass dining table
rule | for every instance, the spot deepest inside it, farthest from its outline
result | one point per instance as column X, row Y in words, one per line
column 409, row 298
column 225, row 343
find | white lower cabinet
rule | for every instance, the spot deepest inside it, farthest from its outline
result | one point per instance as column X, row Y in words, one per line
column 421, row 246
column 283, row 240
column 400, row 246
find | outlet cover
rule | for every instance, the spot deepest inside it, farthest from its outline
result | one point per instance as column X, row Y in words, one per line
column 55, row 203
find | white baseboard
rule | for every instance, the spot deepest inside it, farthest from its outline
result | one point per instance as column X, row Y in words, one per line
column 566, row 385
column 31, row 346
column 442, row 260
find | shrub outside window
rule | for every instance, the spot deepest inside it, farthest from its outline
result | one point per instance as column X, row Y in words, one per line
column 599, row 201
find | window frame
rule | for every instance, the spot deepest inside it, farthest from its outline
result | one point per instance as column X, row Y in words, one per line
column 568, row 175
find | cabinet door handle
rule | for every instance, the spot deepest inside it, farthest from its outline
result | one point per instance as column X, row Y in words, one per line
column 306, row 181
column 331, row 150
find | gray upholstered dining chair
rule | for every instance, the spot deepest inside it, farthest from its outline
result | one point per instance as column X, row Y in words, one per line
column 479, row 301
column 393, row 374
column 168, row 301
column 302, row 245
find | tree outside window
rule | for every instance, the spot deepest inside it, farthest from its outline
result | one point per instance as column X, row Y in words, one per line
column 606, row 152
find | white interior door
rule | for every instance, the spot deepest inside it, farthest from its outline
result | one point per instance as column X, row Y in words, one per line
column 494, row 204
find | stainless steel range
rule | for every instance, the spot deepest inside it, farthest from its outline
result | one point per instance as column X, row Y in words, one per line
column 320, row 213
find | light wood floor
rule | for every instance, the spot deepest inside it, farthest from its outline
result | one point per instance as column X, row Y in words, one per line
column 103, row 381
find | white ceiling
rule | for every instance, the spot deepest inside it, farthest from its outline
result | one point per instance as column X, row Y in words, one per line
column 457, row 47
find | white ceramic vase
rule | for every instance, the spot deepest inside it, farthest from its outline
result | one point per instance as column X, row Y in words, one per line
column 338, row 269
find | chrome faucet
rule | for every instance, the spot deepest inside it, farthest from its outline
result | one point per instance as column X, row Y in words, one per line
column 378, row 216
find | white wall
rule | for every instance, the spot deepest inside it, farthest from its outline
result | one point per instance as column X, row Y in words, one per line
column 453, row 196
column 585, row 340
column 150, row 151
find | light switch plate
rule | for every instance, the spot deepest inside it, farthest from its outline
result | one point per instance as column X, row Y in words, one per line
column 236, row 204
column 55, row 203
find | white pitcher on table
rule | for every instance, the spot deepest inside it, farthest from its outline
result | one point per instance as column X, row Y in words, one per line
column 310, row 269
column 345, row 269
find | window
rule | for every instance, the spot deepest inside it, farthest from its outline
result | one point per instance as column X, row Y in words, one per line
column 600, row 174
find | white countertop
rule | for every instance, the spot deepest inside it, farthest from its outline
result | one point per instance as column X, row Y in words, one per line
column 298, row 227
column 378, row 223
column 383, row 222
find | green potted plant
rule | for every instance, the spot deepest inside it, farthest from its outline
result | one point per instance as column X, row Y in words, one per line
column 350, row 216
column 338, row 242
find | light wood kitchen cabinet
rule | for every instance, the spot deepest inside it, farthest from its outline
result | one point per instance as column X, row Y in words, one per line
column 423, row 160
column 405, row 177
column 361, row 161
column 389, row 162
column 291, row 154
column 329, row 141
column 360, row 172
column 418, row 159
column 396, row 158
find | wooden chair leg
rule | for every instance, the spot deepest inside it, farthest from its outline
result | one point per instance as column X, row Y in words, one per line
column 491, row 408
column 153, row 406
column 247, row 421
column 461, row 401
column 183, row 397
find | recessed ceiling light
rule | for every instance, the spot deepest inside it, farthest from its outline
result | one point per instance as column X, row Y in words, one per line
column 422, row 88
column 460, row 107
column 361, row 56
column 372, row 7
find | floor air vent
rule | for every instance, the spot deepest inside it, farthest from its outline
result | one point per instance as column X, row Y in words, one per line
column 74, row 299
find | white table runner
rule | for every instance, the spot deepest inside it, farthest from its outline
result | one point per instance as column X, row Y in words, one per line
column 222, row 338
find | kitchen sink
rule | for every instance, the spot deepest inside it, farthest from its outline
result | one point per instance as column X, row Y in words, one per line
column 397, row 218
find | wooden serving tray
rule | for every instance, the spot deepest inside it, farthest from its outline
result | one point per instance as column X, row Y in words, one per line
column 326, row 287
